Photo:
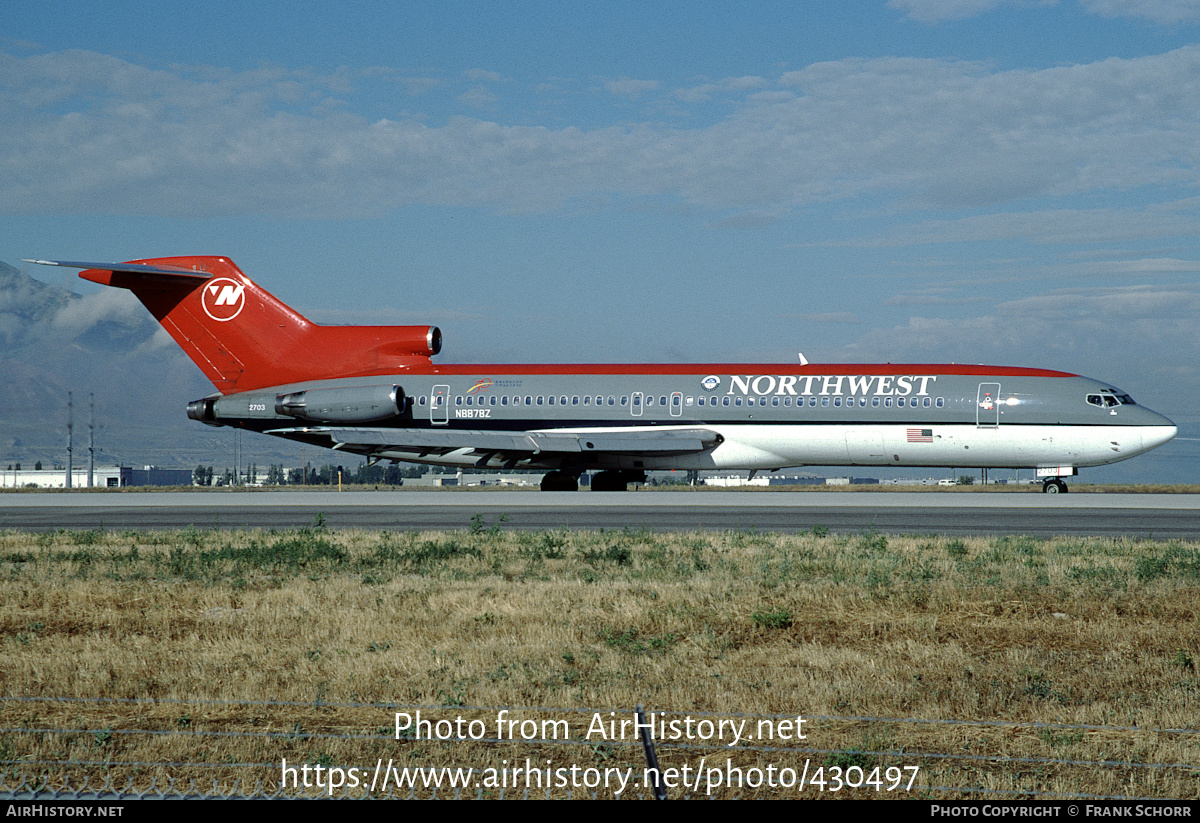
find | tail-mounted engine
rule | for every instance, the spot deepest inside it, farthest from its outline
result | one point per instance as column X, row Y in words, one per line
column 340, row 406
column 360, row 404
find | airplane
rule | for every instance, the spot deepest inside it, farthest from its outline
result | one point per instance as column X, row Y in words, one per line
column 375, row 391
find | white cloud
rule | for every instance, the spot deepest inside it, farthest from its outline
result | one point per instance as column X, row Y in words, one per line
column 1136, row 336
column 628, row 87
column 730, row 85
column 482, row 76
column 478, row 97
column 932, row 297
column 420, row 85
column 1178, row 218
column 92, row 133
column 828, row 317
column 110, row 306
column 1167, row 12
column 934, row 11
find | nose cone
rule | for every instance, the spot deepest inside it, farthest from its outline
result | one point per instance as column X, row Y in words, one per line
column 1155, row 428
column 1155, row 436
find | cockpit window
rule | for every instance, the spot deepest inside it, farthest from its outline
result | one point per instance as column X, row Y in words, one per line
column 1107, row 398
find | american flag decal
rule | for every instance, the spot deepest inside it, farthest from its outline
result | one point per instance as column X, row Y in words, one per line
column 920, row 435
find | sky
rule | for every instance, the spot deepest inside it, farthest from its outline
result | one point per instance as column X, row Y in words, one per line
column 1011, row 182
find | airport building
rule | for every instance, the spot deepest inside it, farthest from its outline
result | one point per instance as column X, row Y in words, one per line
column 110, row 477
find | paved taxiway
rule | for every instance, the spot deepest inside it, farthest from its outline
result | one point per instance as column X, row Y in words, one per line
column 957, row 513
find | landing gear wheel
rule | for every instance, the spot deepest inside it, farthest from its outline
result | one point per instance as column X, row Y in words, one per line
column 558, row 481
column 609, row 481
column 1054, row 486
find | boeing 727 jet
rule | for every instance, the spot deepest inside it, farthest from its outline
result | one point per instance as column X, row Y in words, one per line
column 375, row 391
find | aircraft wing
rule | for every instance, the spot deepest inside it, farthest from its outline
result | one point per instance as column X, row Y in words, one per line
column 514, row 443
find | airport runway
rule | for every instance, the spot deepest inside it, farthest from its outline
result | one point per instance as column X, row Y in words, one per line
column 951, row 513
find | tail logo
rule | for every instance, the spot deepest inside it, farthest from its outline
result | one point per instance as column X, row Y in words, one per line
column 223, row 298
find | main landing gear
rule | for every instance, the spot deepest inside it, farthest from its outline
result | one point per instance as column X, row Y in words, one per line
column 616, row 481
column 560, row 481
column 1054, row 485
column 606, row 481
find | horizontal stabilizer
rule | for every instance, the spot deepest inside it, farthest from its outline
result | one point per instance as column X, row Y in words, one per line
column 129, row 268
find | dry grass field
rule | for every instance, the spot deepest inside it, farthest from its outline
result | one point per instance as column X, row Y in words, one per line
column 993, row 668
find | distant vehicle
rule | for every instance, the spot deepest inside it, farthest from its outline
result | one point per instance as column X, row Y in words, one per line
column 375, row 391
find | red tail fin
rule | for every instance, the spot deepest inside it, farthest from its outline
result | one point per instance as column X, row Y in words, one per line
column 243, row 338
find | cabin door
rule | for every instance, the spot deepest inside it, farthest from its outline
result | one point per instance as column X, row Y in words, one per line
column 439, row 405
column 987, row 407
